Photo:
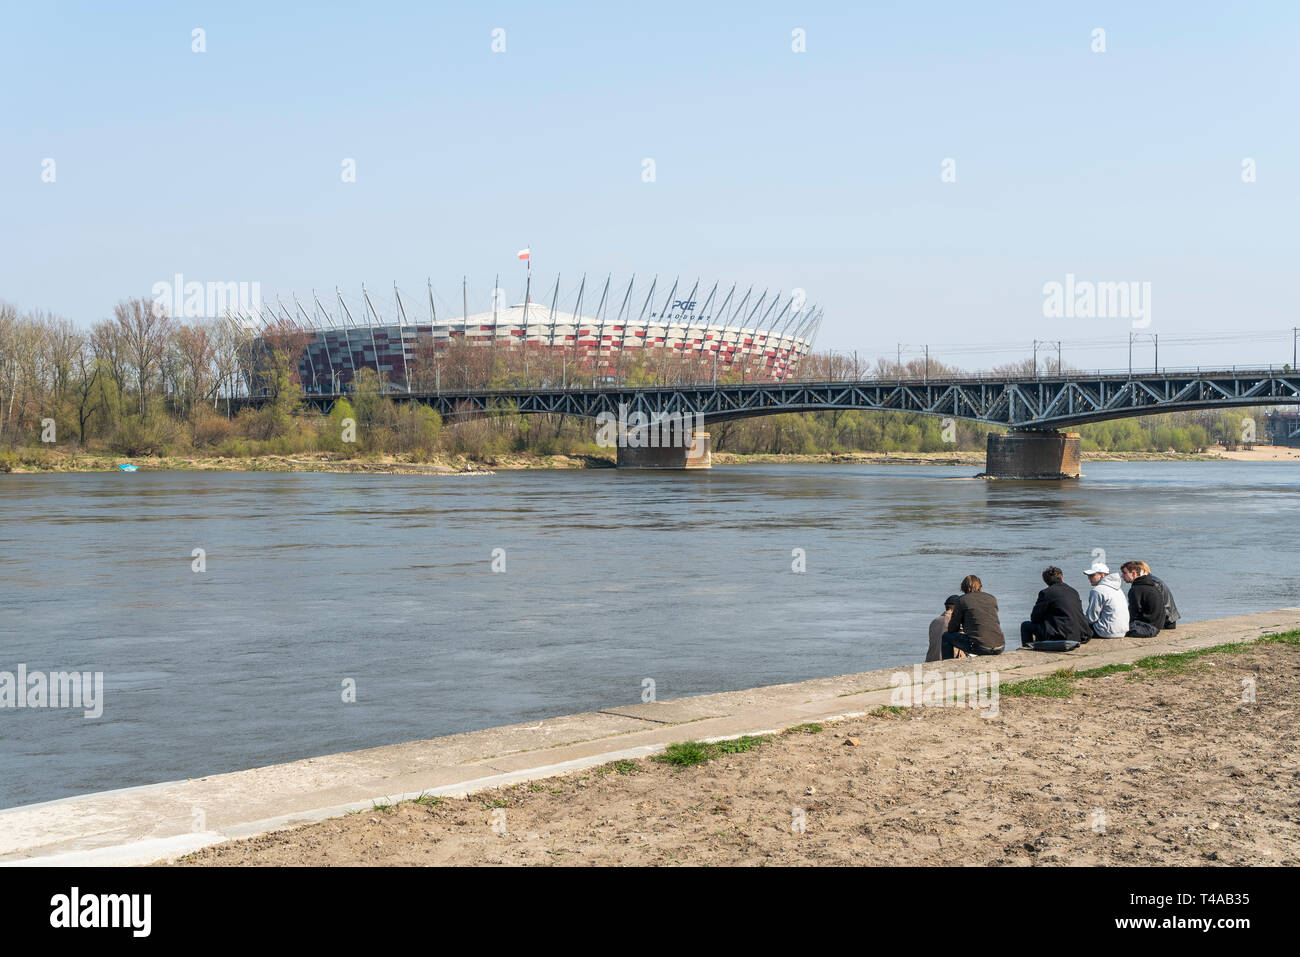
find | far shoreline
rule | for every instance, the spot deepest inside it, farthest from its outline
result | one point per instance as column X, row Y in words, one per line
column 46, row 461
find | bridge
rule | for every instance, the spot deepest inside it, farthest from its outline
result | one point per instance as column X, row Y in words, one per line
column 1034, row 408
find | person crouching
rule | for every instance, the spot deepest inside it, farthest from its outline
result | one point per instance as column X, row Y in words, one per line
column 1107, row 610
column 1058, row 613
column 974, row 626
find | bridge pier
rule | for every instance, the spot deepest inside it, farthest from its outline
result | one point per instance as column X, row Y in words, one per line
column 1033, row 455
column 697, row 455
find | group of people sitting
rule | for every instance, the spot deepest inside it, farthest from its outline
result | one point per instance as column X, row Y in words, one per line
column 1059, row 621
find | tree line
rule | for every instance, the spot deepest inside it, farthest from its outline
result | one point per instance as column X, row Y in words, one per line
column 144, row 383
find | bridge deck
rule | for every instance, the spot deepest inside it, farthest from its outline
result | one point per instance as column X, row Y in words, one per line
column 1042, row 402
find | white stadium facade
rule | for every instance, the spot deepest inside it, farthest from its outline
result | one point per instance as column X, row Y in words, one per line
column 766, row 334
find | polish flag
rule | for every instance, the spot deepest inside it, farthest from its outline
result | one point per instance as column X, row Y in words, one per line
column 523, row 253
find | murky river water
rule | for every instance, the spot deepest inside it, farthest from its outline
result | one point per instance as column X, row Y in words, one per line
column 609, row 578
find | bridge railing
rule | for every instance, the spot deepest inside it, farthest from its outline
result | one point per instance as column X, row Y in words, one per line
column 978, row 378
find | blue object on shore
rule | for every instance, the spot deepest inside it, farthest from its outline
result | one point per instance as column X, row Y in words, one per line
column 127, row 467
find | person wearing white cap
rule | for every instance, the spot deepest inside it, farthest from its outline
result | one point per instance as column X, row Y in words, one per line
column 1107, row 609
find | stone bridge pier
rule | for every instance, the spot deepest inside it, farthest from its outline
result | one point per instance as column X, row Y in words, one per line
column 693, row 455
column 1033, row 454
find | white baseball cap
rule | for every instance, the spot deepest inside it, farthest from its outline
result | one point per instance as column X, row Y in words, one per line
column 1098, row 568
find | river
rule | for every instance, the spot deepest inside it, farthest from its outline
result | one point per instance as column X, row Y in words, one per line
column 315, row 581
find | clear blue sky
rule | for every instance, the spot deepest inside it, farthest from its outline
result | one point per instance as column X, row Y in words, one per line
column 818, row 170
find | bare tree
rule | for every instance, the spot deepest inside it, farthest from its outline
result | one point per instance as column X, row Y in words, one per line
column 146, row 331
column 87, row 395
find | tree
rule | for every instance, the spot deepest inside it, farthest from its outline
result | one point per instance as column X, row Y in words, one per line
column 87, row 394
column 145, row 334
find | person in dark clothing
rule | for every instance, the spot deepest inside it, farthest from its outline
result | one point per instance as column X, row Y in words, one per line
column 1149, row 599
column 1058, row 613
column 974, row 626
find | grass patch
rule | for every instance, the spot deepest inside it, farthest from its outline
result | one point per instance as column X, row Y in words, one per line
column 1281, row 638
column 684, row 754
column 496, row 802
column 1179, row 660
column 804, row 729
column 1059, row 684
column 747, row 742
column 623, row 766
column 887, row 711
column 1103, row 671
column 428, row 800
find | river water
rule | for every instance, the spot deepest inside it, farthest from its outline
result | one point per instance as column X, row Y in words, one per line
column 610, row 578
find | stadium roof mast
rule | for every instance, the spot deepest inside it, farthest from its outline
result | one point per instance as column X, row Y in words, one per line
column 801, row 330
column 763, row 320
column 401, row 328
column 726, row 302
column 352, row 362
column 366, row 296
column 648, row 297
column 328, row 358
column 622, row 339
column 577, row 318
column 704, row 309
column 600, row 336
column 740, row 306
column 293, row 324
column 554, row 296
column 681, row 353
column 663, row 320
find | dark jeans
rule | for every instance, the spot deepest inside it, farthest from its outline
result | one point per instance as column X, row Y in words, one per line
column 1027, row 633
column 955, row 639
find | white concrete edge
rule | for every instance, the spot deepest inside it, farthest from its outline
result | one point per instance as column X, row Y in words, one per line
column 158, row 850
column 165, row 849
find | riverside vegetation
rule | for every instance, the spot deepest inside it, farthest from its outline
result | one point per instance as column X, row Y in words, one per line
column 144, row 385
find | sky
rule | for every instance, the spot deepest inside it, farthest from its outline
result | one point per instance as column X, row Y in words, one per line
column 922, row 171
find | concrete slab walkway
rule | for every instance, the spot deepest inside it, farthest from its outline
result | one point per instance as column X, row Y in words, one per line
column 162, row 821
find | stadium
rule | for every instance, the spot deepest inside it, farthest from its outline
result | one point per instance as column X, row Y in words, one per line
column 679, row 335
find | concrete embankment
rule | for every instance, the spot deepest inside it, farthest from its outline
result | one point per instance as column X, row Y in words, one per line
column 164, row 821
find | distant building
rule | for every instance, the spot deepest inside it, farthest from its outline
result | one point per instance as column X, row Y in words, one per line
column 765, row 335
column 1282, row 428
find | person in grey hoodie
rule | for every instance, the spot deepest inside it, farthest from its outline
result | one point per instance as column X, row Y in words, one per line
column 1107, row 609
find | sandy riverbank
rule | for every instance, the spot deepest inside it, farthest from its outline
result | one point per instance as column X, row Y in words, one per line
column 1158, row 763
column 58, row 460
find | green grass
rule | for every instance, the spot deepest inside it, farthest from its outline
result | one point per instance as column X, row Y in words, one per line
column 888, row 710
column 1282, row 638
column 623, row 766
column 684, row 754
column 804, row 729
column 1060, row 684
column 1103, row 671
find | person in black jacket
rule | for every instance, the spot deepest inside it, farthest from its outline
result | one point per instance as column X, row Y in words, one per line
column 1149, row 599
column 1058, row 613
column 975, row 626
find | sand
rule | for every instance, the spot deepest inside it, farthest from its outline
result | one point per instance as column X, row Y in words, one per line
column 1262, row 453
column 1135, row 768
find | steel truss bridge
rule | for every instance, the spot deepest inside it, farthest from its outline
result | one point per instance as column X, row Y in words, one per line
column 1039, row 402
